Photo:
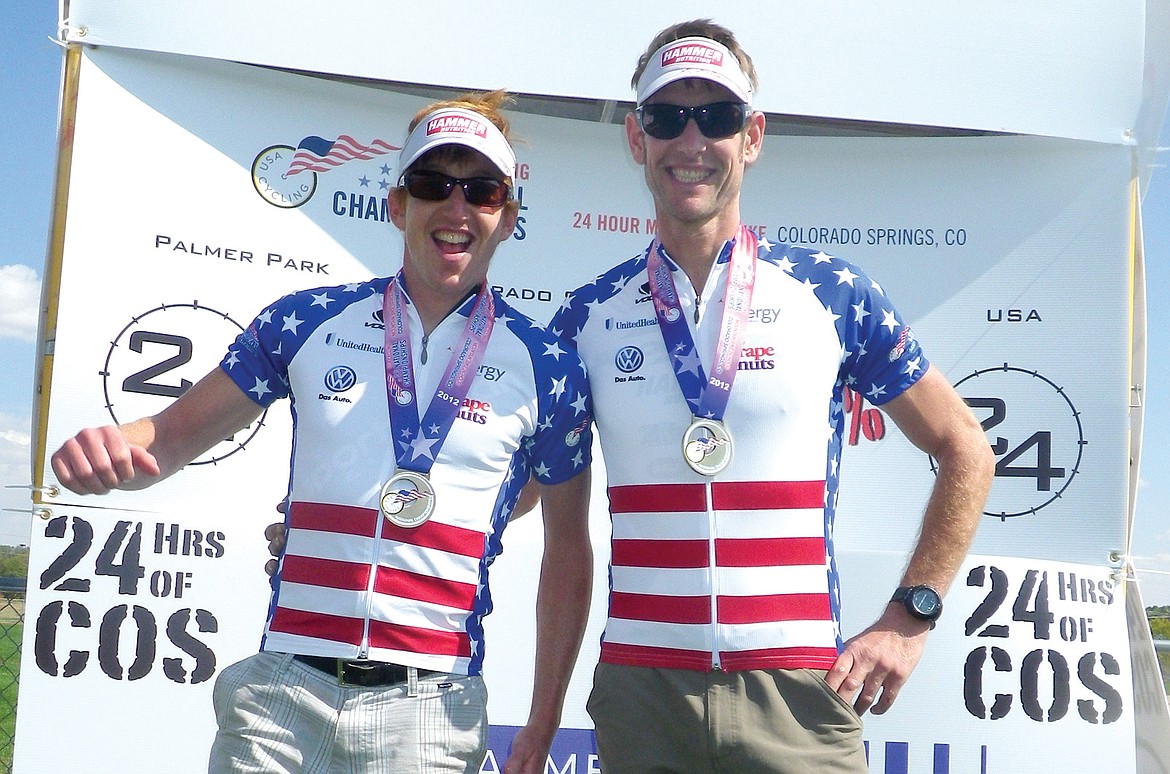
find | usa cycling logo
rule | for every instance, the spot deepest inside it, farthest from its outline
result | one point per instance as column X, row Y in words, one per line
column 904, row 338
column 286, row 177
column 340, row 378
column 628, row 359
column 573, row 437
column 401, row 395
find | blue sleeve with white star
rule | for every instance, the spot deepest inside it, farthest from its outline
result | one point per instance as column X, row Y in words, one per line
column 881, row 357
column 561, row 446
column 258, row 359
column 570, row 318
column 253, row 361
column 573, row 313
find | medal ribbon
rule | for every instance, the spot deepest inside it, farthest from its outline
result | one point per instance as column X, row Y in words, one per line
column 415, row 449
column 706, row 395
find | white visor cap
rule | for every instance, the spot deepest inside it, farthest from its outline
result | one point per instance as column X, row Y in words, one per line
column 694, row 58
column 456, row 126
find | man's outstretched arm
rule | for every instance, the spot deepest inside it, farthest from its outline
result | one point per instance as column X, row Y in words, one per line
column 140, row 453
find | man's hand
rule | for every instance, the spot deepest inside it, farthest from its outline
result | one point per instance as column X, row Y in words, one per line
column 99, row 459
column 276, row 534
column 529, row 752
column 878, row 661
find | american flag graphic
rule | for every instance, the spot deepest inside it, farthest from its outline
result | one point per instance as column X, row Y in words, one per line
column 316, row 154
column 709, row 444
column 408, row 495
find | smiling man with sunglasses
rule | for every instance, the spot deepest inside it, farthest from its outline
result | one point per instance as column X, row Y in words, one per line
column 723, row 648
column 398, row 496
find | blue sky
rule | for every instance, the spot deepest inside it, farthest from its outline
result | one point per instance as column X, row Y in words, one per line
column 30, row 64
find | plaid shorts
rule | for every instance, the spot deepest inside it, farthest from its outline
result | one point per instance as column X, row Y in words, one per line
column 278, row 715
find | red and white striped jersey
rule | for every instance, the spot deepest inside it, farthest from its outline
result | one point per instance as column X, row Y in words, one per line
column 734, row 571
column 352, row 584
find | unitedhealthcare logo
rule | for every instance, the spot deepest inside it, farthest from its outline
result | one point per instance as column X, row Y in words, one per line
column 628, row 359
column 625, row 325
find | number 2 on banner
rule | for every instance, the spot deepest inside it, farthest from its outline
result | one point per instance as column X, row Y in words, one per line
column 69, row 558
column 157, row 356
column 140, row 382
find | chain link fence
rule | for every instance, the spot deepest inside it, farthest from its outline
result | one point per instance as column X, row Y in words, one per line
column 11, row 630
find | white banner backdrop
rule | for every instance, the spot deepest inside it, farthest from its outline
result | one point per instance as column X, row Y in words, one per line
column 1009, row 255
column 1042, row 68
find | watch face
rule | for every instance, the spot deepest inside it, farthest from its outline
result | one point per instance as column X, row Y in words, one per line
column 925, row 602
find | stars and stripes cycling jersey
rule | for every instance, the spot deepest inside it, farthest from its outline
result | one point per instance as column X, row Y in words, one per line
column 351, row 584
column 735, row 571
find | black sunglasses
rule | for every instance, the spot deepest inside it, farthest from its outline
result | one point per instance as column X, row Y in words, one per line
column 435, row 187
column 715, row 120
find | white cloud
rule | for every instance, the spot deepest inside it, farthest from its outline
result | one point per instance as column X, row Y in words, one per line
column 20, row 301
column 15, row 503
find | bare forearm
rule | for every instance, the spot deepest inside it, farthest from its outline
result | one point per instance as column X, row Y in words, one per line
column 951, row 518
column 562, row 600
column 562, row 610
column 937, row 420
column 953, row 511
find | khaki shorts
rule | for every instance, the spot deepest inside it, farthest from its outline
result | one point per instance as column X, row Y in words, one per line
column 676, row 720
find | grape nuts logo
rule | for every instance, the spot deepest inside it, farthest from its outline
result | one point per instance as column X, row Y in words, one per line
column 286, row 177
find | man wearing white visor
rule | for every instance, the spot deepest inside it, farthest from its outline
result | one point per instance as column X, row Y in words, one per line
column 723, row 648
column 373, row 648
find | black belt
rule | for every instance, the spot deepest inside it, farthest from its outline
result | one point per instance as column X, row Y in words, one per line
column 365, row 674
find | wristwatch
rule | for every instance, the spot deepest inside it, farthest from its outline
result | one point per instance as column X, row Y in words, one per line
column 922, row 602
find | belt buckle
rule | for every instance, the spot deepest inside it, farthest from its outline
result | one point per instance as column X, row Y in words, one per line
column 362, row 668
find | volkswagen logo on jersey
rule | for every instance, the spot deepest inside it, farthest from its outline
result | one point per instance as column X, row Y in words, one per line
column 340, row 378
column 628, row 359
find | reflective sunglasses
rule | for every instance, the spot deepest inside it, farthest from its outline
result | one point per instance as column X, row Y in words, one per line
column 715, row 120
column 435, row 187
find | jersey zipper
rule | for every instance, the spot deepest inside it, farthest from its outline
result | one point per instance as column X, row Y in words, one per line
column 715, row 663
column 364, row 646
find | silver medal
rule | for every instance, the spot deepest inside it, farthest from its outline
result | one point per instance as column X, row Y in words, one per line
column 706, row 446
column 408, row 499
